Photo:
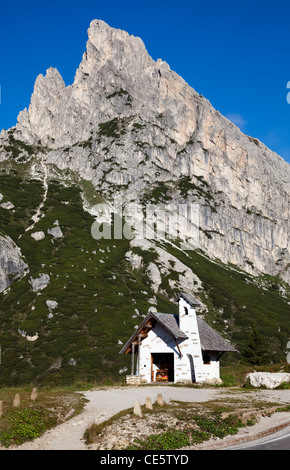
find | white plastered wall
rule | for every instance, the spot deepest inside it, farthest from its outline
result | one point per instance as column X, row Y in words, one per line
column 188, row 366
column 157, row 341
column 191, row 348
column 212, row 370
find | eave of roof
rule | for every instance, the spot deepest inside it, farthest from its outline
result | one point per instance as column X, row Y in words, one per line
column 166, row 320
column 189, row 298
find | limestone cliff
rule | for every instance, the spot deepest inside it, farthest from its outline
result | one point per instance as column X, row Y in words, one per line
column 12, row 266
column 128, row 123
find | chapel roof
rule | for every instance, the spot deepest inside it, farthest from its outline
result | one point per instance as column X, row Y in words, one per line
column 166, row 320
column 209, row 338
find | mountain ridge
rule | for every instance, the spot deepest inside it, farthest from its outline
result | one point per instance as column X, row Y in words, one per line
column 127, row 121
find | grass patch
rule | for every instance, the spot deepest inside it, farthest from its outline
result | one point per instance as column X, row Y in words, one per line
column 32, row 418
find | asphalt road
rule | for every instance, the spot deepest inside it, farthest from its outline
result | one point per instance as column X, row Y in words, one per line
column 277, row 441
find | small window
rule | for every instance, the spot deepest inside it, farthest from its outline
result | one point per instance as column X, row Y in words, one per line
column 206, row 358
column 186, row 310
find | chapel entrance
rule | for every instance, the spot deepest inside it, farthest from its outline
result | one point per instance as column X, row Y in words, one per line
column 162, row 367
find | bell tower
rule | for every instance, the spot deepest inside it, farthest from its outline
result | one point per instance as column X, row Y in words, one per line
column 188, row 325
column 187, row 315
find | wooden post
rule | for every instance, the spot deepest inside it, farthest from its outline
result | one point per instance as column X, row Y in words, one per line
column 139, row 342
column 160, row 399
column 1, row 409
column 177, row 346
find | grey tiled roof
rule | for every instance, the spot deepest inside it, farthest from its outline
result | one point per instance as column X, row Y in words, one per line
column 189, row 298
column 170, row 322
column 211, row 340
column 167, row 320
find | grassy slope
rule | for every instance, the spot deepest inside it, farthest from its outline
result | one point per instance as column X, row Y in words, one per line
column 96, row 300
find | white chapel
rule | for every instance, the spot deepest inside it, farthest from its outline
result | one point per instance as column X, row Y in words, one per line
column 176, row 348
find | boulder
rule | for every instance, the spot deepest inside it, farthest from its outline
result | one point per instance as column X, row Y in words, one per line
column 38, row 235
column 267, row 379
column 40, row 283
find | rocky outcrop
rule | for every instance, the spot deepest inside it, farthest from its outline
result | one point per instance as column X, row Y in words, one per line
column 267, row 379
column 38, row 235
column 12, row 266
column 40, row 282
column 129, row 123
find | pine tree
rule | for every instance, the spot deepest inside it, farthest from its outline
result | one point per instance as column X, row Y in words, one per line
column 256, row 350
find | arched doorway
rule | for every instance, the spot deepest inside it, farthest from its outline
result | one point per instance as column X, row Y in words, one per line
column 191, row 364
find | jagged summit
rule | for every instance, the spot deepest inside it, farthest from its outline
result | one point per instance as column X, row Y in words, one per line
column 114, row 62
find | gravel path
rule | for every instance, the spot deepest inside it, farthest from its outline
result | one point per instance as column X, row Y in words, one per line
column 103, row 404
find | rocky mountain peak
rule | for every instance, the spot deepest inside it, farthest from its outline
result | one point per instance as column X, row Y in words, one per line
column 114, row 63
column 115, row 50
column 116, row 78
column 35, row 123
column 130, row 123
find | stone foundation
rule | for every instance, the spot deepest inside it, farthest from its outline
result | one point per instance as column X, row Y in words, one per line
column 135, row 379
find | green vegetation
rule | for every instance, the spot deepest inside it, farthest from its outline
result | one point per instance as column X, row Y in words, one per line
column 200, row 189
column 256, row 350
column 121, row 93
column 98, row 293
column 32, row 418
column 161, row 193
column 24, row 425
column 252, row 139
column 114, row 128
column 94, row 286
column 200, row 429
column 25, row 196
column 165, row 192
column 16, row 147
column 172, row 439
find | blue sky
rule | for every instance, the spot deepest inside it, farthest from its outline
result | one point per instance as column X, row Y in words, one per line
column 236, row 54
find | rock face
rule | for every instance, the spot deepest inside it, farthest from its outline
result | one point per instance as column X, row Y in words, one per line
column 12, row 265
column 268, row 379
column 128, row 123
